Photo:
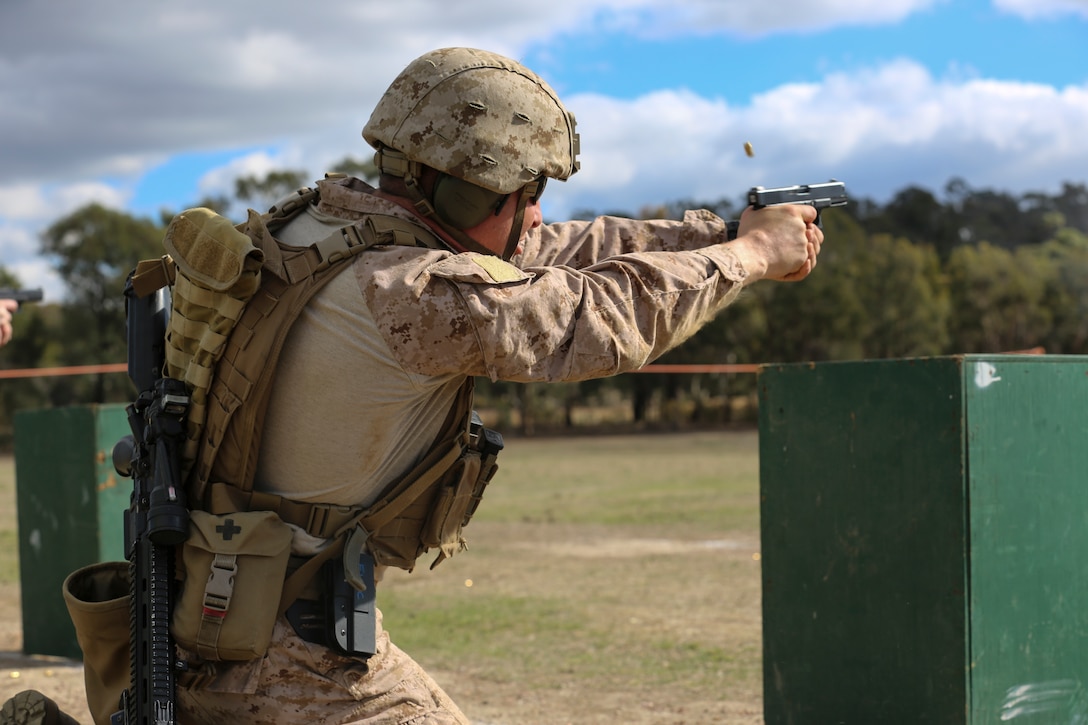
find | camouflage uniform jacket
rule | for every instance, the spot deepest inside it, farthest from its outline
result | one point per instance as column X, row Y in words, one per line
column 374, row 362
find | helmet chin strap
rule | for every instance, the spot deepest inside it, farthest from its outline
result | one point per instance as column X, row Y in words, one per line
column 515, row 228
column 532, row 190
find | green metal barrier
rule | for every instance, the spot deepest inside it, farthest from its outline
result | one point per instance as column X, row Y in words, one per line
column 925, row 541
column 71, row 506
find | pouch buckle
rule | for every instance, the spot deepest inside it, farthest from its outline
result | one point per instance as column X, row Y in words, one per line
column 220, row 586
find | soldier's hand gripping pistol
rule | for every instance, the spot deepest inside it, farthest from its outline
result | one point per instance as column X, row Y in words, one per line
column 821, row 196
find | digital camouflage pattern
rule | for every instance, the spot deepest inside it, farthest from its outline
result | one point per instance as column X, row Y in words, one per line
column 583, row 300
column 300, row 682
column 477, row 116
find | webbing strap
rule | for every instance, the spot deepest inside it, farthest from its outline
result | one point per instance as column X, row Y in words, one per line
column 226, row 305
column 297, row 581
column 418, row 480
column 394, row 230
column 217, row 595
column 153, row 274
column 287, row 207
column 325, row 520
column 317, row 519
column 373, row 518
column 231, row 385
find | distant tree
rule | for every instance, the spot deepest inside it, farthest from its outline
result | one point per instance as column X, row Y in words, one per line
column 1070, row 207
column 33, row 345
column 997, row 299
column 999, row 218
column 1063, row 262
column 262, row 192
column 821, row 318
column 901, row 288
column 28, row 346
column 366, row 170
column 724, row 208
column 1072, row 203
column 94, row 249
column 917, row 215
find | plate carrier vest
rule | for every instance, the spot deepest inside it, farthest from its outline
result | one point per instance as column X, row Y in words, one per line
column 236, row 291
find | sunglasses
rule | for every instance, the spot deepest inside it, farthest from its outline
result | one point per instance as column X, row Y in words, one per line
column 534, row 188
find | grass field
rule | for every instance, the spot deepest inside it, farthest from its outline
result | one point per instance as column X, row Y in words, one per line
column 611, row 579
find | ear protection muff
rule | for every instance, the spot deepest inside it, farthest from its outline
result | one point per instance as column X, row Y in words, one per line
column 462, row 204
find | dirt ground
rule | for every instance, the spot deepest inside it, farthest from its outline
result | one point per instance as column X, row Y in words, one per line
column 61, row 679
column 627, row 572
column 490, row 700
column 492, row 703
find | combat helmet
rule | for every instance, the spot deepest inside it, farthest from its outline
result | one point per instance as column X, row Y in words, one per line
column 488, row 124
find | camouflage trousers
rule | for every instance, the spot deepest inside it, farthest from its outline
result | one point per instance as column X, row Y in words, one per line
column 299, row 682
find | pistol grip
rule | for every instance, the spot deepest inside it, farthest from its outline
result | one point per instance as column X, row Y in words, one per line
column 731, row 229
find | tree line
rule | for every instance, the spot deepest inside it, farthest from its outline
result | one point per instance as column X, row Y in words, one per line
column 970, row 271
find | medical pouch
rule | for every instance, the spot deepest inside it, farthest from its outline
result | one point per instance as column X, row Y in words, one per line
column 233, row 568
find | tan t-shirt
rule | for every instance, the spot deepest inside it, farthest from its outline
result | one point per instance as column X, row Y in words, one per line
column 373, row 364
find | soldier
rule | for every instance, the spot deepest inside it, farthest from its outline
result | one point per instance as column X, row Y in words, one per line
column 378, row 367
column 465, row 142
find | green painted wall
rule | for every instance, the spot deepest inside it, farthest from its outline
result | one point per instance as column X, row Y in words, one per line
column 924, row 531
column 71, row 506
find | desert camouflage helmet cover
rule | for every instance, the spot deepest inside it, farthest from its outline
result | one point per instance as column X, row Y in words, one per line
column 477, row 116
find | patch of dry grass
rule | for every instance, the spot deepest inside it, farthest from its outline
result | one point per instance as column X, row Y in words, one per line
column 610, row 579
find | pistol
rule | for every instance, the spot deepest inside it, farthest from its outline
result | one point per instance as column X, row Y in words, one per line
column 821, row 196
column 21, row 295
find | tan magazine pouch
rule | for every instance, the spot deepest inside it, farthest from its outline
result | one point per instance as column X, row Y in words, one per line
column 98, row 597
column 233, row 567
column 219, row 270
column 460, row 490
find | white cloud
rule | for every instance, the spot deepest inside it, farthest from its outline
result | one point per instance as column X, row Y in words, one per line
column 16, row 241
column 650, row 18
column 110, row 86
column 22, row 202
column 27, row 209
column 267, row 59
column 19, row 256
column 1043, row 9
column 878, row 130
column 220, row 181
column 92, row 97
column 67, row 198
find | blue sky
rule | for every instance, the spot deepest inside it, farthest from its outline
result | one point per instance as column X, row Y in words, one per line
column 151, row 106
column 970, row 35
